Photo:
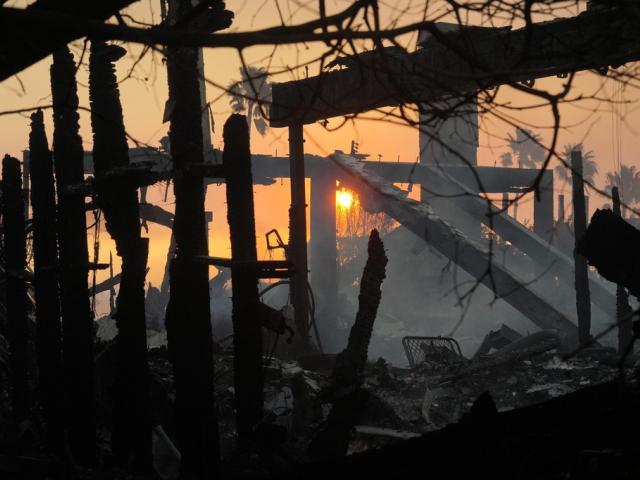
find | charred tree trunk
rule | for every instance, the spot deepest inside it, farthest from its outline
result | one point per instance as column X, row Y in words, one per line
column 247, row 332
column 623, row 309
column 45, row 260
column 188, row 312
column 583, row 298
column 118, row 199
column 15, row 262
column 77, row 323
column 349, row 397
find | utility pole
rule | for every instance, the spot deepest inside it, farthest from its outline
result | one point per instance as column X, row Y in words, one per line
column 45, row 260
column 13, row 225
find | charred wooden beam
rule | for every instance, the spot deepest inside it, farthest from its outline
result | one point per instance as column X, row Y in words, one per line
column 77, row 324
column 21, row 47
column 583, row 297
column 13, row 225
column 156, row 214
column 461, row 62
column 45, row 262
column 188, row 313
column 261, row 268
column 247, row 331
column 470, row 256
column 118, row 199
column 348, row 374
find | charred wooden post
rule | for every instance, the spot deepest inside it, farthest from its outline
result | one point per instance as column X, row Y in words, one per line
column 247, row 331
column 560, row 208
column 45, row 260
column 77, row 324
column 623, row 309
column 188, row 312
column 348, row 373
column 583, row 298
column 505, row 202
column 118, row 199
column 298, row 237
column 13, row 225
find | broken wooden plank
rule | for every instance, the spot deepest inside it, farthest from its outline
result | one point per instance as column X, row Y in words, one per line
column 471, row 257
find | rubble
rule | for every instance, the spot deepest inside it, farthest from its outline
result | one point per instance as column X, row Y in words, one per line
column 403, row 403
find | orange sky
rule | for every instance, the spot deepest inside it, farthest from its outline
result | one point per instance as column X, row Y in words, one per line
column 143, row 99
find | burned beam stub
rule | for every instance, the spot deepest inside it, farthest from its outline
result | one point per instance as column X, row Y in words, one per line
column 13, row 225
column 47, row 299
column 77, row 324
column 348, row 396
column 610, row 244
column 247, row 331
column 470, row 256
column 118, row 199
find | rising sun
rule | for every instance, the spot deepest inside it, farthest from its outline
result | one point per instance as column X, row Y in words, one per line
column 344, row 198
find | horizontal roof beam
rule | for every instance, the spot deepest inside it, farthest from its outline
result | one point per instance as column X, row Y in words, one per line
column 461, row 62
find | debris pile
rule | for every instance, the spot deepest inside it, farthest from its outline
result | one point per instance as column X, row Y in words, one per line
column 402, row 403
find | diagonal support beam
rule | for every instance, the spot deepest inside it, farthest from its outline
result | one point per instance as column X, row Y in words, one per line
column 471, row 257
column 525, row 240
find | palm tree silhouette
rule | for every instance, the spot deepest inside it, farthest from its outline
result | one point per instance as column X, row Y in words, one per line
column 628, row 182
column 589, row 165
column 252, row 94
column 526, row 147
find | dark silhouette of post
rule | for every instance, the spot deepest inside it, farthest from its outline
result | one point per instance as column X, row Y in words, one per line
column 505, row 202
column 247, row 331
column 623, row 309
column 298, row 238
column 45, row 261
column 13, row 225
column 583, row 297
column 118, row 199
column 188, row 312
column 349, row 398
column 77, row 322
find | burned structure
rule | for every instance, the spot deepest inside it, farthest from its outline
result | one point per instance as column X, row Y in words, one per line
column 297, row 410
